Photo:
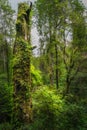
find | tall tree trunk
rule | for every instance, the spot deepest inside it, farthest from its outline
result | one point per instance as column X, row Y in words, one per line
column 22, row 112
column 7, row 63
column 56, row 51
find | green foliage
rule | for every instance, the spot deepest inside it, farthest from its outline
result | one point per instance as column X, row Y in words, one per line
column 21, row 60
column 62, row 29
column 73, row 117
column 21, row 79
column 23, row 21
column 53, row 112
column 22, row 110
column 35, row 76
column 5, row 126
column 5, row 103
column 47, row 105
column 57, row 22
column 6, row 38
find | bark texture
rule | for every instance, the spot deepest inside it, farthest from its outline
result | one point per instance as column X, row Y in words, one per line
column 21, row 67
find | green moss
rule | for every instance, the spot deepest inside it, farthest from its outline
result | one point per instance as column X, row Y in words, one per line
column 21, row 67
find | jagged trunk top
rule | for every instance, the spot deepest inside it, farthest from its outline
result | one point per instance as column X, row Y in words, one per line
column 23, row 23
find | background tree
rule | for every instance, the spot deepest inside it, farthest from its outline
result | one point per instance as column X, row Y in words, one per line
column 48, row 26
column 6, row 36
column 60, row 25
column 6, row 40
column 73, row 53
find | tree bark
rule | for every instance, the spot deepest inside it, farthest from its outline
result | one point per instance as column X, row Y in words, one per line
column 56, row 50
column 22, row 111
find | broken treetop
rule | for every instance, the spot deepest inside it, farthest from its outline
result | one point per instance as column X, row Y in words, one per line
column 22, row 24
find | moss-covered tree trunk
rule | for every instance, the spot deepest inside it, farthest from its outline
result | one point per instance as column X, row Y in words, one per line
column 22, row 111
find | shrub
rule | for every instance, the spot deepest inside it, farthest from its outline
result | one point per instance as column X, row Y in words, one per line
column 51, row 112
column 47, row 107
column 5, row 126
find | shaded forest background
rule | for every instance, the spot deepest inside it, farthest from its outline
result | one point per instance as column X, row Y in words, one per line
column 48, row 91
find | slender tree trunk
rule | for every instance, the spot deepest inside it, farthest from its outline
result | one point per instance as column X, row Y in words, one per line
column 56, row 51
column 67, row 85
column 7, row 63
